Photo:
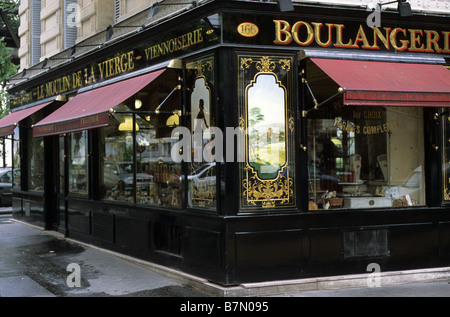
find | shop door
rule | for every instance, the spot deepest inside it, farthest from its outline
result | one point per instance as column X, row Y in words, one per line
column 61, row 184
column 51, row 213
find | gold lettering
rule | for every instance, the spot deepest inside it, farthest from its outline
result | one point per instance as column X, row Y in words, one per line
column 117, row 68
column 415, row 36
column 40, row 92
column 110, row 68
column 130, row 56
column 446, row 48
column 309, row 36
column 378, row 35
column 66, row 83
column 361, row 37
column 317, row 27
column 100, row 68
column 432, row 40
column 339, row 29
column 393, row 39
column 282, row 32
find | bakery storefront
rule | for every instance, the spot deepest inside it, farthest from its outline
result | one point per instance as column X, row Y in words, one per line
column 248, row 145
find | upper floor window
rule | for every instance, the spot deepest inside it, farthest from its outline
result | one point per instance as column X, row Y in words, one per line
column 35, row 31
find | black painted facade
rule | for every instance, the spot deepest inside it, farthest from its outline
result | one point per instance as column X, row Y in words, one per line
column 229, row 243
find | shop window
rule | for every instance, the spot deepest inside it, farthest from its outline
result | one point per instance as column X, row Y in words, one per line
column 202, row 169
column 117, row 168
column 158, row 178
column 446, row 156
column 36, row 164
column 78, row 163
column 16, row 158
column 365, row 157
column 61, row 165
column 135, row 149
column 266, row 115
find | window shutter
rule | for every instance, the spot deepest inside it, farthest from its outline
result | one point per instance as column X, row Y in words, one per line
column 70, row 23
column 35, row 31
column 116, row 11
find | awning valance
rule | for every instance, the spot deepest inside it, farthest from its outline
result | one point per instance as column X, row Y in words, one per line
column 370, row 83
column 9, row 122
column 90, row 109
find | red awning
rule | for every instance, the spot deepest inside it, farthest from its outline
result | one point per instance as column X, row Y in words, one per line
column 9, row 122
column 90, row 109
column 369, row 83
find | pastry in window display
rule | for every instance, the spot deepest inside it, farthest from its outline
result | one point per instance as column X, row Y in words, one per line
column 119, row 191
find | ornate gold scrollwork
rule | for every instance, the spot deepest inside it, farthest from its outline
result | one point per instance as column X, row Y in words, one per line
column 267, row 193
column 446, row 193
column 279, row 190
column 201, row 66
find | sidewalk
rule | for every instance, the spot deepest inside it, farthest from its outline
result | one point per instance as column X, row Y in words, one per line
column 35, row 263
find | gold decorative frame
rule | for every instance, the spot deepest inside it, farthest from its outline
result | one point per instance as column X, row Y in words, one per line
column 202, row 194
column 279, row 191
column 445, row 158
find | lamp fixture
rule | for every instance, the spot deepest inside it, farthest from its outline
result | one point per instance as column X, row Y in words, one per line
column 73, row 49
column 173, row 120
column 285, row 5
column 403, row 7
column 127, row 125
column 137, row 104
column 110, row 29
column 155, row 7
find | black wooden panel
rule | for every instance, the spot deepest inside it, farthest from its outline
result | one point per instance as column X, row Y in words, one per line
column 79, row 220
column 103, row 226
column 132, row 235
column 268, row 249
column 444, row 238
column 167, row 238
column 413, row 240
column 202, row 246
column 325, row 245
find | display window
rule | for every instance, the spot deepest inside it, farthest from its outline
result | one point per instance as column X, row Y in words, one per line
column 78, row 163
column 202, row 171
column 16, row 158
column 365, row 157
column 445, row 117
column 116, row 172
column 135, row 149
column 61, row 164
column 36, row 164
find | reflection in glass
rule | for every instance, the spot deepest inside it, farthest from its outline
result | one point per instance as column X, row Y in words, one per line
column 61, row 164
column 202, row 172
column 266, row 126
column 36, row 173
column 16, row 158
column 116, row 147
column 155, row 179
column 158, row 177
column 78, row 177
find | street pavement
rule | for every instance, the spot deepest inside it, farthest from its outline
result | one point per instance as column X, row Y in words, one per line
column 37, row 263
column 34, row 263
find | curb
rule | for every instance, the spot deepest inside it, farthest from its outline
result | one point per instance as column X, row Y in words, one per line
column 276, row 288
